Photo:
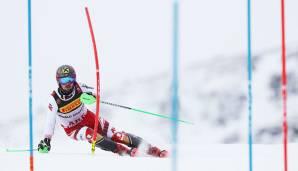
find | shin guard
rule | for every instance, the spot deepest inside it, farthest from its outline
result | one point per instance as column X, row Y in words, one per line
column 106, row 144
column 134, row 141
column 109, row 145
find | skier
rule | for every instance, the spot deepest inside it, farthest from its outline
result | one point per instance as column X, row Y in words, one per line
column 78, row 122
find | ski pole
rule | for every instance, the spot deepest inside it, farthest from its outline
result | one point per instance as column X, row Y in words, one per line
column 90, row 99
column 145, row 112
column 19, row 150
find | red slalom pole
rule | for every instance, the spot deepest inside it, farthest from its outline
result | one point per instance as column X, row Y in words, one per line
column 31, row 163
column 284, row 86
column 97, row 80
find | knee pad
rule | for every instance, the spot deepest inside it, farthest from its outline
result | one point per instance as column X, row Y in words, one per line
column 118, row 137
column 134, row 141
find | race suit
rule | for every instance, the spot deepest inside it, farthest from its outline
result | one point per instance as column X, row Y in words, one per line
column 77, row 121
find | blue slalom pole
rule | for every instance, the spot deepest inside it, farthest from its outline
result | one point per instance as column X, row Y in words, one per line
column 175, row 110
column 249, row 69
column 30, row 85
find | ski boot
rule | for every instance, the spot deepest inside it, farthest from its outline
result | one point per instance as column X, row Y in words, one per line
column 156, row 152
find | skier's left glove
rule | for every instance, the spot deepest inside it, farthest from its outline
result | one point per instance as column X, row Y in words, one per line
column 44, row 146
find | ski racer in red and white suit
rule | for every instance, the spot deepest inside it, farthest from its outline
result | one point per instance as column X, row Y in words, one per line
column 66, row 108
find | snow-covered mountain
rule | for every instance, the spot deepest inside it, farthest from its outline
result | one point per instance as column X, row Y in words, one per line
column 213, row 94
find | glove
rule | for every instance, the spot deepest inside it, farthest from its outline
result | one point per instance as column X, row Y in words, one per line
column 87, row 98
column 44, row 146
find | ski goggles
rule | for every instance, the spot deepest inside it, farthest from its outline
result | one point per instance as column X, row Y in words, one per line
column 66, row 80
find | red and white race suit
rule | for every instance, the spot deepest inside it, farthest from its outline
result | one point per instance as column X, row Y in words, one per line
column 77, row 121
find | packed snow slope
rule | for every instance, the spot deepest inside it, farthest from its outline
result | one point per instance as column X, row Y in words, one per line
column 191, row 158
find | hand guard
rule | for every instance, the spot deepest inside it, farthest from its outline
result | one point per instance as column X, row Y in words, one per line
column 44, row 146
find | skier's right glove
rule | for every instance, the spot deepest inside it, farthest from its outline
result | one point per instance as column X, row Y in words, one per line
column 44, row 146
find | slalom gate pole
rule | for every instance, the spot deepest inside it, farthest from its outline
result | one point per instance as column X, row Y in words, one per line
column 97, row 81
column 284, row 85
column 175, row 109
column 249, row 71
column 30, row 86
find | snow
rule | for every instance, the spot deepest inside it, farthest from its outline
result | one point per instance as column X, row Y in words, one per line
column 191, row 158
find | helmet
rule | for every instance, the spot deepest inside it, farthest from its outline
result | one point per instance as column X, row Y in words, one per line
column 65, row 73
